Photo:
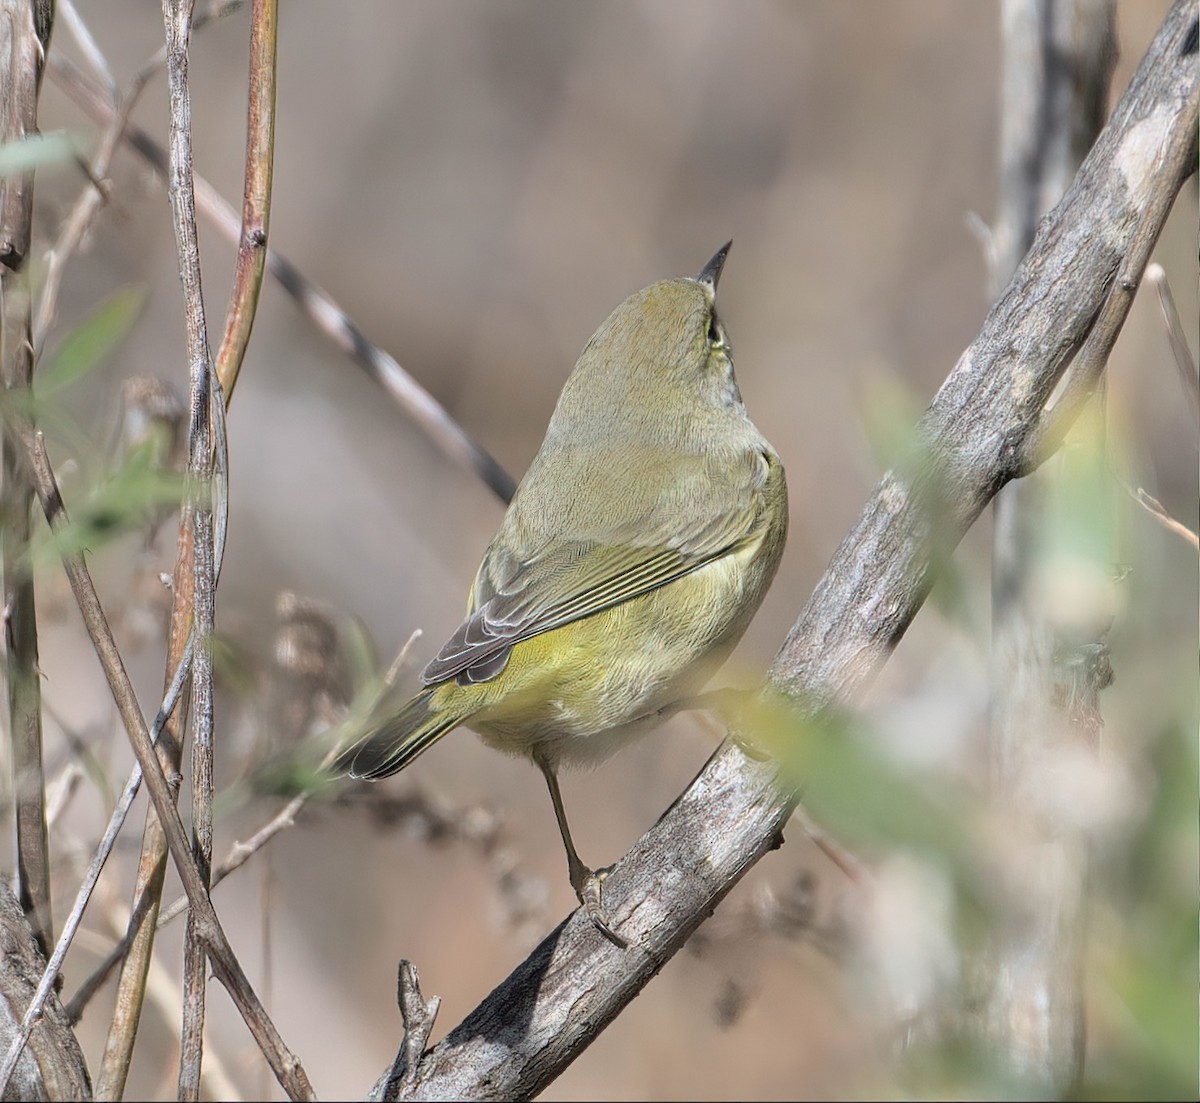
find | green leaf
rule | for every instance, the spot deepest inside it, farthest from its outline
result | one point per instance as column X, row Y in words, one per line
column 362, row 658
column 86, row 346
column 36, row 151
column 890, row 412
column 122, row 501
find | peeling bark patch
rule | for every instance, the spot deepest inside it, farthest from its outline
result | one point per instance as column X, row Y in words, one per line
column 1141, row 150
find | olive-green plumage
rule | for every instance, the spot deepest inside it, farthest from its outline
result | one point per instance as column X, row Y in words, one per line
column 632, row 557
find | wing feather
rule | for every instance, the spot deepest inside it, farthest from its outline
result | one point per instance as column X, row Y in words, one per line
column 526, row 596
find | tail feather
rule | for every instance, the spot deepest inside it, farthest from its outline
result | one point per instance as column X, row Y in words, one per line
column 392, row 745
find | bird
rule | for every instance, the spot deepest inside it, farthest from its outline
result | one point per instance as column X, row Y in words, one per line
column 631, row 559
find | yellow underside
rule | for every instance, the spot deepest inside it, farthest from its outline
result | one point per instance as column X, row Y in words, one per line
column 578, row 692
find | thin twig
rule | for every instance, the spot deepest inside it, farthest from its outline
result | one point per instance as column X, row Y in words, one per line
column 418, row 1016
column 93, row 198
column 206, row 558
column 163, row 994
column 256, row 194
column 95, row 194
column 148, row 890
column 320, row 307
column 238, row 854
column 241, row 852
column 103, row 850
column 198, row 515
column 1184, row 361
column 1159, row 512
column 148, row 884
column 228, row 970
column 88, row 46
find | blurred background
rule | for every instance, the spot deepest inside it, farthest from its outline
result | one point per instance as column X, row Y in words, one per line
column 478, row 184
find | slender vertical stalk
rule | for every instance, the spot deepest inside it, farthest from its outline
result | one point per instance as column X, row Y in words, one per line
column 195, row 569
column 226, row 966
column 1058, row 57
column 256, row 193
column 24, row 35
column 198, row 518
column 147, row 896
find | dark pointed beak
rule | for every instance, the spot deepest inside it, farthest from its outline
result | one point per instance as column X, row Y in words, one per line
column 711, row 272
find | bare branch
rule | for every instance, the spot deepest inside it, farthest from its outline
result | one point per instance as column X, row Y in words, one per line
column 198, row 517
column 137, row 945
column 95, row 195
column 165, row 996
column 981, row 421
column 975, row 431
column 1156, row 510
column 24, row 36
column 228, row 970
column 53, row 1067
column 256, row 194
column 418, row 1017
column 239, row 852
column 103, row 850
column 314, row 301
column 1184, row 361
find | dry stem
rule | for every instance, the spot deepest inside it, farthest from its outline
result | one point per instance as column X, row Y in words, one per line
column 24, row 35
column 224, row 962
column 313, row 300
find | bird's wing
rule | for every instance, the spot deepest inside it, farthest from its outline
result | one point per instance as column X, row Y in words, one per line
column 566, row 581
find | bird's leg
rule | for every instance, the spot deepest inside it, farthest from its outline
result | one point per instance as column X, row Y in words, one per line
column 584, row 881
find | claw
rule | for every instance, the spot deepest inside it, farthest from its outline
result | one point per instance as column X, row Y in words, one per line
column 584, row 881
column 589, row 893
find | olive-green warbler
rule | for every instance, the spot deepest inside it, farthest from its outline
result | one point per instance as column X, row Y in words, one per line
column 631, row 559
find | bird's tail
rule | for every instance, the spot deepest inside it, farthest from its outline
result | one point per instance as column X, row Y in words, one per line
column 389, row 747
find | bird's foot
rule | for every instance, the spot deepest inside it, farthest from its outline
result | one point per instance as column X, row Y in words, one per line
column 588, row 887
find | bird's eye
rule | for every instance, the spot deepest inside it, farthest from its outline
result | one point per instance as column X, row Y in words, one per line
column 716, row 335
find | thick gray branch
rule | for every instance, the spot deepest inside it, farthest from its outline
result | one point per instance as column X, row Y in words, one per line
column 52, row 1065
column 980, row 422
column 977, row 434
